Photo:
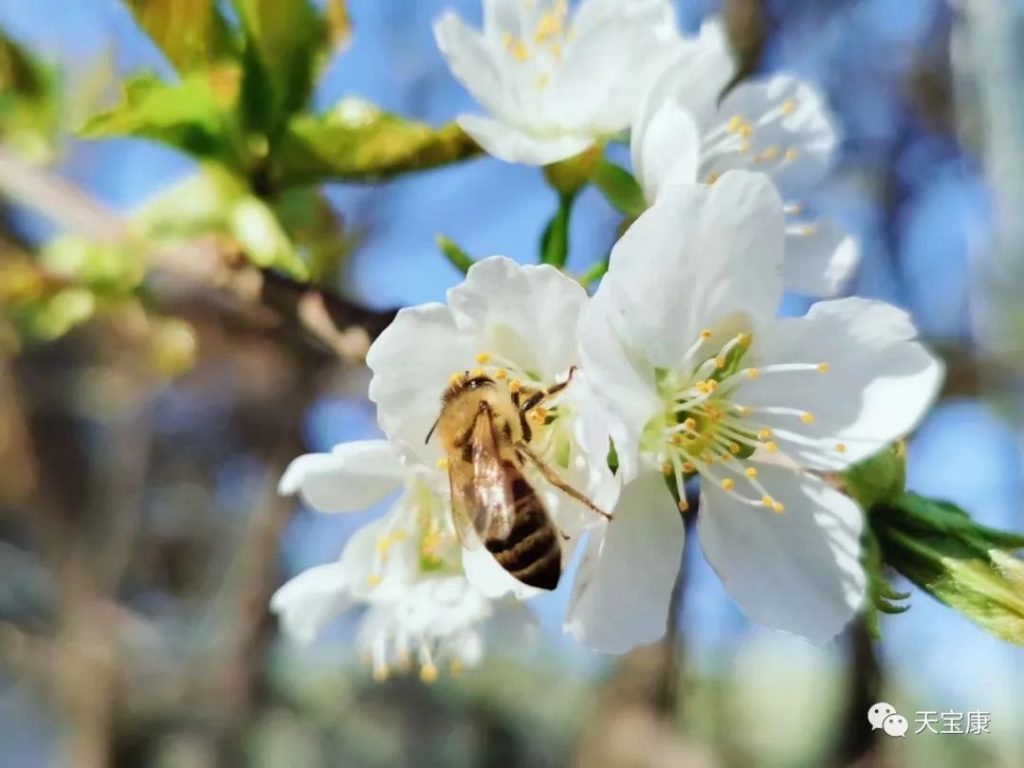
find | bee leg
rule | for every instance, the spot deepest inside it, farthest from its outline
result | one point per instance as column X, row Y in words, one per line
column 538, row 397
column 552, row 477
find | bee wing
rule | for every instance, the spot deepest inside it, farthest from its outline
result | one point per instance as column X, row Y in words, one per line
column 483, row 506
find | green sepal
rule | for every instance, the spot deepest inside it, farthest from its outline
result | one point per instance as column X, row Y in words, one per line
column 619, row 188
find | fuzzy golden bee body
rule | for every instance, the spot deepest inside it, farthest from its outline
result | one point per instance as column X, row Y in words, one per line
column 485, row 435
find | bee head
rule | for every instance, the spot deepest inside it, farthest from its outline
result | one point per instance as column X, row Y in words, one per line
column 460, row 383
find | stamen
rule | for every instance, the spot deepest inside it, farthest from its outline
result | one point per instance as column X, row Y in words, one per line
column 455, row 378
column 442, row 463
column 750, row 472
column 515, row 385
column 807, row 418
column 823, row 367
column 683, row 505
column 483, row 358
column 752, row 373
column 791, row 155
column 728, row 483
column 789, row 106
column 500, row 374
column 841, row 447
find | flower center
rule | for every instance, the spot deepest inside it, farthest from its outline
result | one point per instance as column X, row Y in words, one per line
column 704, row 431
column 737, row 139
column 544, row 44
column 421, row 519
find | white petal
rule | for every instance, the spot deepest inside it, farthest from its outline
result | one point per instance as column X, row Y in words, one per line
column 696, row 74
column 351, row 478
column 513, row 145
column 623, row 386
column 665, row 149
column 819, row 261
column 797, row 571
column 491, row 580
column 617, row 50
column 622, row 591
column 470, row 60
column 879, row 384
column 698, row 256
column 310, row 601
column 528, row 314
column 412, row 361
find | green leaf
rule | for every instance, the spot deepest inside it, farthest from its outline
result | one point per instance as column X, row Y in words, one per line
column 879, row 478
column 263, row 239
column 189, row 32
column 554, row 243
column 461, row 260
column 619, row 188
column 189, row 115
column 285, row 43
column 357, row 142
column 963, row 564
column 593, row 273
column 29, row 102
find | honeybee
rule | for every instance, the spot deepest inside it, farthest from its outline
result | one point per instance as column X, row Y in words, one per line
column 486, row 435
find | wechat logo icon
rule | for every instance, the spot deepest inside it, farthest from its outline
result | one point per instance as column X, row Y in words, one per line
column 884, row 716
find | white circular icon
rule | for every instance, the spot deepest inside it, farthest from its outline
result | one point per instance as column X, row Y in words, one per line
column 878, row 713
column 895, row 725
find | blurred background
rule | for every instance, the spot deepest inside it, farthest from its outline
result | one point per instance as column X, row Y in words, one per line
column 141, row 438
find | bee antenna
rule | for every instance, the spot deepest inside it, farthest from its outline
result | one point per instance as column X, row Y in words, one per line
column 432, row 428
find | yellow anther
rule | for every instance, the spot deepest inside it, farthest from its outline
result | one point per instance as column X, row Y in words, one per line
column 768, row 153
column 705, row 334
column 476, row 373
column 734, row 448
column 720, row 361
column 380, row 672
column 743, row 339
column 764, row 434
column 500, row 374
column 714, row 413
column 807, row 230
column 690, row 424
column 539, row 414
column 677, row 439
column 746, row 130
column 702, row 387
column 483, row 358
column 789, row 106
column 455, row 378
column 735, row 123
column 713, row 177
column 778, row 507
column 767, row 501
column 689, row 468
column 712, row 385
column 823, row 367
column 725, row 457
column 442, row 463
column 791, row 155
column 542, row 81
column 514, row 385
column 683, row 505
column 728, row 483
column 518, row 50
column 455, row 667
column 373, row 579
column 550, row 25
column 841, row 447
column 743, row 410
column 807, row 417
column 771, row 447
column 753, row 373
column 666, row 468
column 744, row 147
column 428, row 673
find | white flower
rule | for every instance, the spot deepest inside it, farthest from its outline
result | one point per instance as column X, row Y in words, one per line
column 553, row 85
column 776, row 125
column 406, row 566
column 519, row 325
column 701, row 379
column 436, row 623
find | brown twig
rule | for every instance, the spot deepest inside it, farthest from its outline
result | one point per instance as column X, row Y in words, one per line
column 344, row 327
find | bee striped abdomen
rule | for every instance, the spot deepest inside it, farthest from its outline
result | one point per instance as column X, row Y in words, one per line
column 531, row 552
